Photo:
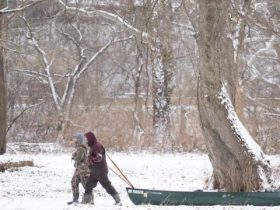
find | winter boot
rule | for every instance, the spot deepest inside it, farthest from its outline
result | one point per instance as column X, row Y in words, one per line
column 87, row 199
column 75, row 199
column 117, row 199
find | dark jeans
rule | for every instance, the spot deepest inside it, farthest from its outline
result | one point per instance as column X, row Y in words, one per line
column 99, row 175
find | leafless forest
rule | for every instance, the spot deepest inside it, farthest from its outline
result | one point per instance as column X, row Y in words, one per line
column 128, row 70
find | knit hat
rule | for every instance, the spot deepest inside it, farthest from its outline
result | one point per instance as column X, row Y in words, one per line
column 79, row 137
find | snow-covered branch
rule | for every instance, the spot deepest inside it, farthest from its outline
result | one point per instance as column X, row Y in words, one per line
column 262, row 77
column 20, row 8
column 93, row 58
column 107, row 15
column 31, row 73
column 47, row 64
column 237, row 127
column 268, row 47
column 69, row 36
column 100, row 51
column 272, row 114
column 262, row 104
column 243, row 136
column 21, row 113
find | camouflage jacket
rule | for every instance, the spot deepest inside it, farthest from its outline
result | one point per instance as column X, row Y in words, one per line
column 80, row 157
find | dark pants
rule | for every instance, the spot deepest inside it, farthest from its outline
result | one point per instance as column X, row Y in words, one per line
column 99, row 175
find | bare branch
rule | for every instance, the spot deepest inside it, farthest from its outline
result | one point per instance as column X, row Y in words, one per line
column 47, row 65
column 92, row 59
column 107, row 15
column 6, row 10
column 31, row 73
column 21, row 113
column 262, row 104
column 69, row 36
column 272, row 114
column 100, row 51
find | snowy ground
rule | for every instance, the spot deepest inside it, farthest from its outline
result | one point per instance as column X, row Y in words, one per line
column 47, row 186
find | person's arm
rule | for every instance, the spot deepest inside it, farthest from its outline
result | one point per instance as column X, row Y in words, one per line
column 79, row 156
column 74, row 155
column 97, row 154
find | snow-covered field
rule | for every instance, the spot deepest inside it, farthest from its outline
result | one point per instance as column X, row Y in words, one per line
column 47, row 185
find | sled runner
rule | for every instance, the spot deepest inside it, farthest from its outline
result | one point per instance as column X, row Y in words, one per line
column 200, row 198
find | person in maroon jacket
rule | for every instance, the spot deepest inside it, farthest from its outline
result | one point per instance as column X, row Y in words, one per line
column 98, row 170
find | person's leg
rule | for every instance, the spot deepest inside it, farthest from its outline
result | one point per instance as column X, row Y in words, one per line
column 84, row 177
column 90, row 183
column 75, row 187
column 105, row 182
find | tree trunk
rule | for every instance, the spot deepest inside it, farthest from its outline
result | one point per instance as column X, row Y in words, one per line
column 2, row 93
column 161, row 96
column 162, row 74
column 238, row 162
column 240, row 55
column 138, row 130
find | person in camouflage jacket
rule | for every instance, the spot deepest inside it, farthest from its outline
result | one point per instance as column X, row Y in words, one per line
column 82, row 171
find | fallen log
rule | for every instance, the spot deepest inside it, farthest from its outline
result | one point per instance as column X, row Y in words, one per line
column 13, row 165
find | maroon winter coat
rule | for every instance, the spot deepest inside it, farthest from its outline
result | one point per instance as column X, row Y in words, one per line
column 97, row 154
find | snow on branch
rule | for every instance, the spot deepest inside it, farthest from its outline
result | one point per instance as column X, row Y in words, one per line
column 93, row 58
column 21, row 113
column 107, row 15
column 235, row 41
column 47, row 64
column 31, row 73
column 69, row 36
column 243, row 135
column 255, row 73
column 276, row 112
column 272, row 114
column 7, row 10
column 100, row 51
column 268, row 48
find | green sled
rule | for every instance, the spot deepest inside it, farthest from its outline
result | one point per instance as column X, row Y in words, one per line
column 200, row 198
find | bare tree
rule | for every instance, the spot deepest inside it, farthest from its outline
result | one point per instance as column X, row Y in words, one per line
column 62, row 96
column 159, row 40
column 160, row 28
column 4, row 9
column 138, row 104
column 259, row 80
column 2, row 91
column 238, row 162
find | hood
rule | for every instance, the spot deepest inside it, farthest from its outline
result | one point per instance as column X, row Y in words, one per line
column 91, row 139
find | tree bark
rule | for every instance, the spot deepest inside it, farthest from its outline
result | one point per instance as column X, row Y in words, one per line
column 2, row 92
column 238, row 162
column 162, row 68
column 138, row 130
column 161, row 95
